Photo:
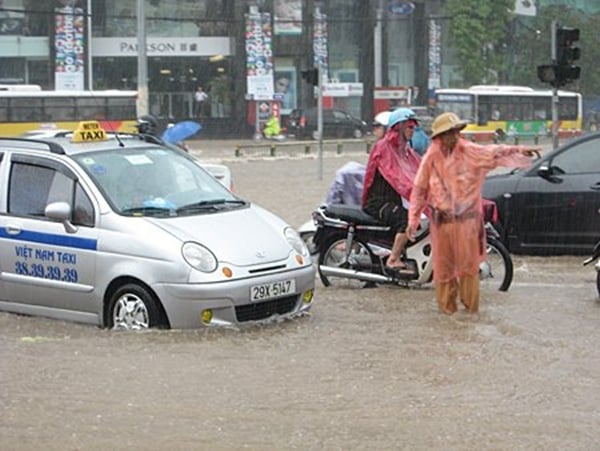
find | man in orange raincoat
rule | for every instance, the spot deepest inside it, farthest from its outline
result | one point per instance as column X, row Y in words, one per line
column 449, row 182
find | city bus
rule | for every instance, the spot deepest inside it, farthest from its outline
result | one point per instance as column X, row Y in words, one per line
column 25, row 110
column 500, row 111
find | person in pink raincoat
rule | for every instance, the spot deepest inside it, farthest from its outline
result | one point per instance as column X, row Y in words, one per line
column 388, row 180
column 449, row 183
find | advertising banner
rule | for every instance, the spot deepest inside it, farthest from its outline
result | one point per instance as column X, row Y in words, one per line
column 320, row 43
column 435, row 57
column 69, row 47
column 259, row 56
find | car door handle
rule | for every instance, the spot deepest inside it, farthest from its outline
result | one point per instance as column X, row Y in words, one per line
column 13, row 230
column 596, row 187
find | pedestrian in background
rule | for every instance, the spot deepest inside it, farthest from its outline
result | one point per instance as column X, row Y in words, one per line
column 201, row 99
column 449, row 183
column 380, row 124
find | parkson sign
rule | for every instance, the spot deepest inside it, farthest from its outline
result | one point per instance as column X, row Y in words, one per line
column 198, row 46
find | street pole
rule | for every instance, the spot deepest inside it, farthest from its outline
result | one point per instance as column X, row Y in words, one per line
column 378, row 38
column 554, row 91
column 89, row 45
column 320, row 118
column 142, row 103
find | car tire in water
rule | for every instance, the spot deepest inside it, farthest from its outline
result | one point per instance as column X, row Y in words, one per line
column 497, row 270
column 133, row 307
column 332, row 252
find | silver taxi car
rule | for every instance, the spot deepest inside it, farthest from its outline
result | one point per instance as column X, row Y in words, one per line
column 127, row 234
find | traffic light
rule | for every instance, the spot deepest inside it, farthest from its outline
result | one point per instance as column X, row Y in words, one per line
column 311, row 76
column 547, row 73
column 566, row 55
column 562, row 70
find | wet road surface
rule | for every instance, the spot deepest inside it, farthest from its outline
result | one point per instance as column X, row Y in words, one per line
column 373, row 369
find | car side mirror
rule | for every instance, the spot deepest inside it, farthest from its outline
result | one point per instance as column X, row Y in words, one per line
column 544, row 171
column 550, row 173
column 60, row 212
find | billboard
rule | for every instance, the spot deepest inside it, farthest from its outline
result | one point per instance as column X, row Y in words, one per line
column 259, row 56
column 69, row 46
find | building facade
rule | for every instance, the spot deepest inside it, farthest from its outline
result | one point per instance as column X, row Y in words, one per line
column 67, row 44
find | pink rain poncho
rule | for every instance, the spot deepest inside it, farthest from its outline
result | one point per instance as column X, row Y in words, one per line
column 396, row 161
column 450, row 185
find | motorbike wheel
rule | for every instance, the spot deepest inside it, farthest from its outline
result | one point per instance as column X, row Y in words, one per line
column 496, row 272
column 333, row 253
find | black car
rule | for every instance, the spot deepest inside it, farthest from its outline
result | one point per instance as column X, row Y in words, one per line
column 336, row 124
column 552, row 207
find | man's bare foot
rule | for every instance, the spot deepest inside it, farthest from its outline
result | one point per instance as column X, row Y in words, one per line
column 395, row 264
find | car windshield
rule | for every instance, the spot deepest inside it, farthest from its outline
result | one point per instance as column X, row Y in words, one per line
column 155, row 181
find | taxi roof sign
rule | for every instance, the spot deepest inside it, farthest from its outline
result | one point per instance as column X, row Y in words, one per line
column 89, row 131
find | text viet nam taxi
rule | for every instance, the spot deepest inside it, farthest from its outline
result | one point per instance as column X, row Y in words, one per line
column 123, row 233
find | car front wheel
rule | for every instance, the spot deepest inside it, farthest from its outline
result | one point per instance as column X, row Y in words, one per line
column 358, row 133
column 134, row 307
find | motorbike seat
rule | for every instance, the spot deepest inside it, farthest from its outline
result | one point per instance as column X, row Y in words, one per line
column 351, row 213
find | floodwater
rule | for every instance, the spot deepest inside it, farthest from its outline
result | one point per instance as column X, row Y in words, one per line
column 375, row 368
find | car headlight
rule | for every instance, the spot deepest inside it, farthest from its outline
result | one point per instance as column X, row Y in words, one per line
column 199, row 257
column 295, row 241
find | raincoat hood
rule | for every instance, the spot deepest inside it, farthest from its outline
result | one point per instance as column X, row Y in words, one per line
column 395, row 160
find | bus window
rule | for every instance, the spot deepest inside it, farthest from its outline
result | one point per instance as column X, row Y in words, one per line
column 483, row 111
column 567, row 109
column 91, row 108
column 26, row 109
column 120, row 107
column 59, row 109
column 3, row 110
column 541, row 109
column 526, row 109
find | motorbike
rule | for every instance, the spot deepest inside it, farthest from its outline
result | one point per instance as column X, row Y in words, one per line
column 595, row 257
column 352, row 248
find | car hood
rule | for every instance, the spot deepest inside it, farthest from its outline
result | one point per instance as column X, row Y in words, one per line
column 242, row 237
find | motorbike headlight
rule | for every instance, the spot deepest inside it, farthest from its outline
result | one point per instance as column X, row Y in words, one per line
column 295, row 241
column 199, row 257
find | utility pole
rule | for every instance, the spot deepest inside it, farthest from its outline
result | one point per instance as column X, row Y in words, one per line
column 142, row 75
column 320, row 118
column 89, row 45
column 554, row 91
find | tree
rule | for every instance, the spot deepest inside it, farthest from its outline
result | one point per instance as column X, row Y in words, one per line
column 478, row 37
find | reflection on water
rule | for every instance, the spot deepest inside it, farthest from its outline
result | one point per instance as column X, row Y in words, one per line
column 374, row 368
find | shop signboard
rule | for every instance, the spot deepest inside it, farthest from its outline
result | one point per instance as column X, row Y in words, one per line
column 343, row 89
column 320, row 43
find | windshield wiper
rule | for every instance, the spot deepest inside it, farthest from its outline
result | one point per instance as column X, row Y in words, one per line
column 208, row 205
column 149, row 211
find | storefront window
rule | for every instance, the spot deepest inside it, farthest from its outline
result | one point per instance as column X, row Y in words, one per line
column 180, row 18
column 172, row 83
